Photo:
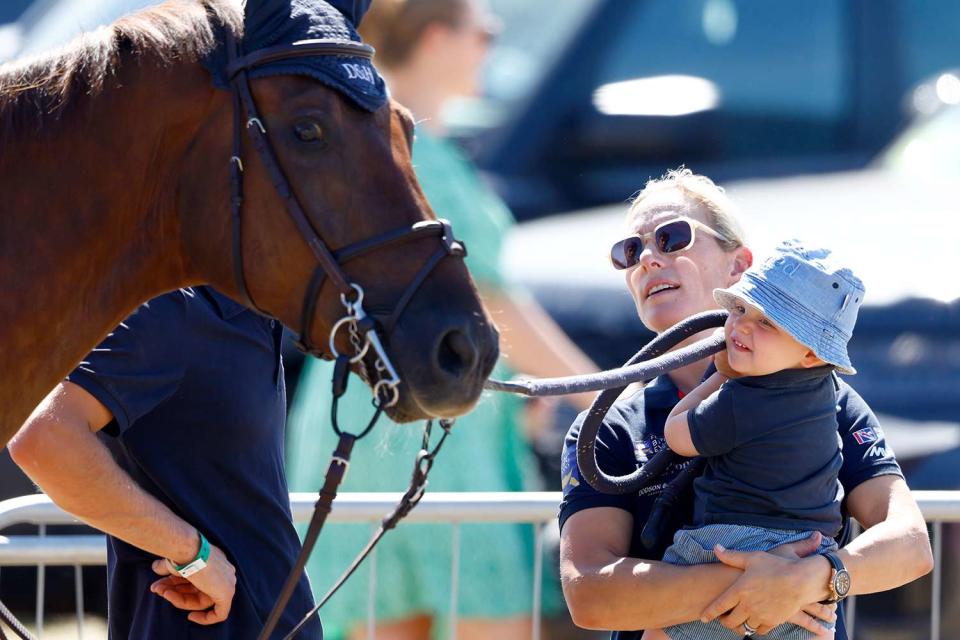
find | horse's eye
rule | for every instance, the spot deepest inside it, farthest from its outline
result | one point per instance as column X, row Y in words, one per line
column 308, row 131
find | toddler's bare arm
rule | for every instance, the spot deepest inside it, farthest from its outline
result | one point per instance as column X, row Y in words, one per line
column 677, row 430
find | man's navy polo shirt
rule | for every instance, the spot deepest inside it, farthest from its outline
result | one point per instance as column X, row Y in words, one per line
column 773, row 452
column 633, row 431
column 195, row 385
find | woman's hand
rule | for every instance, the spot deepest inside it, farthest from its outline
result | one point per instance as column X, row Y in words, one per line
column 775, row 587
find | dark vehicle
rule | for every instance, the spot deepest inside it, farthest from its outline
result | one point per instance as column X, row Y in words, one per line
column 587, row 99
column 10, row 31
column 11, row 10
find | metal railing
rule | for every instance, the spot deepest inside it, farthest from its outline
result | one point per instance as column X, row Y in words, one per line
column 535, row 508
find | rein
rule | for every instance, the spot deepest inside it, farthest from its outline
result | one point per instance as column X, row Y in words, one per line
column 648, row 363
column 336, row 471
column 15, row 625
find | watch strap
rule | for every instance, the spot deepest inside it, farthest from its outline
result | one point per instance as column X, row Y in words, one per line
column 834, row 560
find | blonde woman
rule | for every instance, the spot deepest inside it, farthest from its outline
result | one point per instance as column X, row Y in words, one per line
column 682, row 241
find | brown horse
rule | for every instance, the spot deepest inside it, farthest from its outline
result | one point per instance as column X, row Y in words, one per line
column 115, row 173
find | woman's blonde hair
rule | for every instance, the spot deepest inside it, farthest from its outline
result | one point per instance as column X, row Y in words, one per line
column 720, row 210
column 393, row 27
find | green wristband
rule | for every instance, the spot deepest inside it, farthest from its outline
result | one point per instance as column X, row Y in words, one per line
column 198, row 563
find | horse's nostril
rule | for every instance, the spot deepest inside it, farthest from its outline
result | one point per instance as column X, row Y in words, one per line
column 457, row 354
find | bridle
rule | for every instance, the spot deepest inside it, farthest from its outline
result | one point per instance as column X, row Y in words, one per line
column 362, row 327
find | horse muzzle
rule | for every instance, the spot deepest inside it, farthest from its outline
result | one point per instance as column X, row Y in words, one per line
column 443, row 377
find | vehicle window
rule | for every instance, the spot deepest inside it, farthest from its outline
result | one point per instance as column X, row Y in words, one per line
column 930, row 29
column 777, row 68
column 928, row 149
column 10, row 10
column 534, row 33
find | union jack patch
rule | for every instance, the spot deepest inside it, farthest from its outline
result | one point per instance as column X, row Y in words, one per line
column 865, row 436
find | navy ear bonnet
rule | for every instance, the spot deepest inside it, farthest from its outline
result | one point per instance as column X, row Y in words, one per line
column 277, row 22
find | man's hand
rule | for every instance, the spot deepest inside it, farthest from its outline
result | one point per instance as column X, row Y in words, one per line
column 776, row 587
column 213, row 586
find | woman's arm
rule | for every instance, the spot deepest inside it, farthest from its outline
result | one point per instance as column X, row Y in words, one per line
column 892, row 551
column 605, row 589
column 894, row 548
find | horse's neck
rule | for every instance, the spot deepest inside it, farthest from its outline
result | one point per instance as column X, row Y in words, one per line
column 88, row 223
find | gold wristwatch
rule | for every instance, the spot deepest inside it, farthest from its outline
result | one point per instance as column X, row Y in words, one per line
column 839, row 584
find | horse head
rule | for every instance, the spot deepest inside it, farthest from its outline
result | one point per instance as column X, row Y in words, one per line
column 331, row 210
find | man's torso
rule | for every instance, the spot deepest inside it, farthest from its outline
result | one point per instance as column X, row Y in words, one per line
column 195, row 383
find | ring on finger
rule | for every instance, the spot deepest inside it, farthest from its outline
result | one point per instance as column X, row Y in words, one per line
column 748, row 630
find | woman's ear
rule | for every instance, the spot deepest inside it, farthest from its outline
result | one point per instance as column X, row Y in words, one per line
column 742, row 259
column 433, row 39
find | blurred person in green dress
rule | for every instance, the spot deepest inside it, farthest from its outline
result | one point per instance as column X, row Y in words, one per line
column 430, row 51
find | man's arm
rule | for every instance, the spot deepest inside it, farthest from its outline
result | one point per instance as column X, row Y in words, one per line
column 894, row 548
column 605, row 589
column 58, row 449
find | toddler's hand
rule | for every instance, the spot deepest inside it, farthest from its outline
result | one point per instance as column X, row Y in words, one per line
column 722, row 364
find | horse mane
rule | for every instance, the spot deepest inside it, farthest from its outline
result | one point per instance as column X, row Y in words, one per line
column 43, row 88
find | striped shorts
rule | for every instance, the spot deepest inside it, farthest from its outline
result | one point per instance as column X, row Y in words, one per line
column 695, row 546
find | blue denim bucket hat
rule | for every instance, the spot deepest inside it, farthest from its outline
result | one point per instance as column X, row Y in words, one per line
column 808, row 295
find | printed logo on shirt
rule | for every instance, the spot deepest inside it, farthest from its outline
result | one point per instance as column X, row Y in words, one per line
column 652, row 489
column 649, row 446
column 570, row 477
column 358, row 72
column 872, row 436
column 668, row 474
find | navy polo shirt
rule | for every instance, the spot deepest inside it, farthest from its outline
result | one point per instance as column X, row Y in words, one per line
column 773, row 452
column 633, row 431
column 195, row 385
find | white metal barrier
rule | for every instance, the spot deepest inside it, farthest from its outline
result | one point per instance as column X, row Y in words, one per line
column 535, row 508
